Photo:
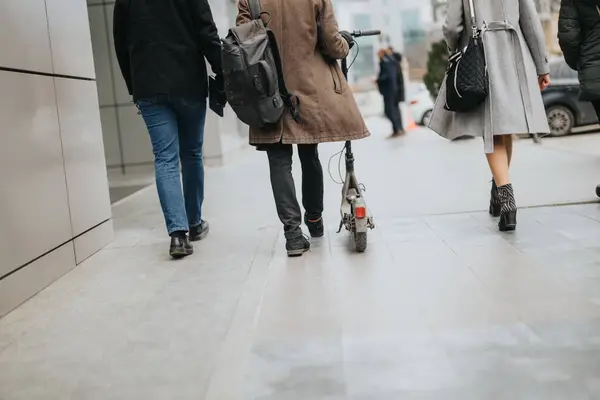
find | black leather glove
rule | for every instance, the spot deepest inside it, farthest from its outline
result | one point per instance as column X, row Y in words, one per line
column 348, row 37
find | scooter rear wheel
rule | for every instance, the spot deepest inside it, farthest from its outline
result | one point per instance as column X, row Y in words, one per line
column 360, row 241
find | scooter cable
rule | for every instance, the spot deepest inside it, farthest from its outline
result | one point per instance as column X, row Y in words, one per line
column 340, row 154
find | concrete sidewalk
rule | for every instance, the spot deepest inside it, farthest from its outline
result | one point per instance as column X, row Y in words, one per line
column 442, row 306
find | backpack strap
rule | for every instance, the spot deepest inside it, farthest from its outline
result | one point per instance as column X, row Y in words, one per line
column 292, row 102
column 254, row 8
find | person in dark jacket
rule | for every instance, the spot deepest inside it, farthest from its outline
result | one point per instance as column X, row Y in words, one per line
column 400, row 96
column 161, row 48
column 579, row 39
column 387, row 82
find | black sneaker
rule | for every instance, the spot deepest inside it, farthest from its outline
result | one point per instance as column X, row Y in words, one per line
column 315, row 228
column 199, row 232
column 297, row 247
column 180, row 246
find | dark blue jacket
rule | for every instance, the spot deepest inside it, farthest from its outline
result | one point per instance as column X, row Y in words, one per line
column 388, row 76
column 579, row 38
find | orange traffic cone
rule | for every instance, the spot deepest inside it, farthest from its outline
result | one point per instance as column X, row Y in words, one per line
column 410, row 121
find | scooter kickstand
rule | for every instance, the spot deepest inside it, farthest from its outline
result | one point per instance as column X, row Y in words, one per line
column 341, row 225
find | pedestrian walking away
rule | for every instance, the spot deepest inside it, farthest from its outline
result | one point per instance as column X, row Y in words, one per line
column 579, row 39
column 327, row 109
column 401, row 93
column 161, row 48
column 389, row 87
column 517, row 65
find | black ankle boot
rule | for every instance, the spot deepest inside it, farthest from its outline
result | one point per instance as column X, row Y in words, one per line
column 495, row 205
column 508, row 211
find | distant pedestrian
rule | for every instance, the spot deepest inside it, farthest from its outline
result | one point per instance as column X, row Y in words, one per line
column 579, row 39
column 400, row 94
column 517, row 63
column 161, row 46
column 327, row 109
column 388, row 85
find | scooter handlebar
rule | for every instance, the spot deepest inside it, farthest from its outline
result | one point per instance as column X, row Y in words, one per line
column 369, row 32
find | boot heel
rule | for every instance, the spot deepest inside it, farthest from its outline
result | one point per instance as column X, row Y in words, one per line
column 495, row 210
column 508, row 221
column 495, row 203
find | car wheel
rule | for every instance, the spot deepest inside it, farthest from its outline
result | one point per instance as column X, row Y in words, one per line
column 560, row 119
column 426, row 118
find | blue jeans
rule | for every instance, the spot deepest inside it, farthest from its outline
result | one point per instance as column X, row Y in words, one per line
column 176, row 127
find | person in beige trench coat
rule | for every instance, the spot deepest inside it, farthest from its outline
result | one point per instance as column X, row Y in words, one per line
column 309, row 41
column 517, row 64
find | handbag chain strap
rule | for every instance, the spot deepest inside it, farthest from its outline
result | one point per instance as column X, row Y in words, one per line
column 473, row 19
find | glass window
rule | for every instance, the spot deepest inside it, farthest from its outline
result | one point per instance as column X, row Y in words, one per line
column 361, row 21
column 363, row 66
column 412, row 27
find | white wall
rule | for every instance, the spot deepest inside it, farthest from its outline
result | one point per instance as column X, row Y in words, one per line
column 54, row 203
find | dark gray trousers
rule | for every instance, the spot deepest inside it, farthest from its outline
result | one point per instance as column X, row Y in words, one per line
column 284, row 190
column 392, row 111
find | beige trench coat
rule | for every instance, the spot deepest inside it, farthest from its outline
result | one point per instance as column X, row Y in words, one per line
column 328, row 110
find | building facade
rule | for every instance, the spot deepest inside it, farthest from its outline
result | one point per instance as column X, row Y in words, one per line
column 405, row 25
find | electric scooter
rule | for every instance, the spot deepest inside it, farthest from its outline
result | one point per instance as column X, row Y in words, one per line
column 356, row 217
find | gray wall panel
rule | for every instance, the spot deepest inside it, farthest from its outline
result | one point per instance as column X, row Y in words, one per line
column 100, row 44
column 70, row 38
column 90, row 242
column 112, row 147
column 33, row 201
column 83, row 153
column 24, row 40
column 137, row 147
column 25, row 283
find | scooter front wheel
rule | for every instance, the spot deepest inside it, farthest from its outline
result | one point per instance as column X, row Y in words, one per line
column 360, row 241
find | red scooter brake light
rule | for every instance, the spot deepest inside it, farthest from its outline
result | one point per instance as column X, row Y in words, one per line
column 360, row 212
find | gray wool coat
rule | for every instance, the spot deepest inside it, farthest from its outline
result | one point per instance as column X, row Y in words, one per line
column 515, row 50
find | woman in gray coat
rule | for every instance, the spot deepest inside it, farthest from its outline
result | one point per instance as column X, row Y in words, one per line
column 518, row 69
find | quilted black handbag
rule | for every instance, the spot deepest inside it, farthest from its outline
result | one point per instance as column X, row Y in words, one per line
column 467, row 81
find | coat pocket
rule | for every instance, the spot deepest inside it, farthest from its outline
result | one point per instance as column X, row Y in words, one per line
column 337, row 79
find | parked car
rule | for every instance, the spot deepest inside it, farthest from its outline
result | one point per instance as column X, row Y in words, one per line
column 420, row 103
column 561, row 99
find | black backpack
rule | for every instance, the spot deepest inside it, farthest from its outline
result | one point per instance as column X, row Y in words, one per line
column 467, row 81
column 253, row 75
